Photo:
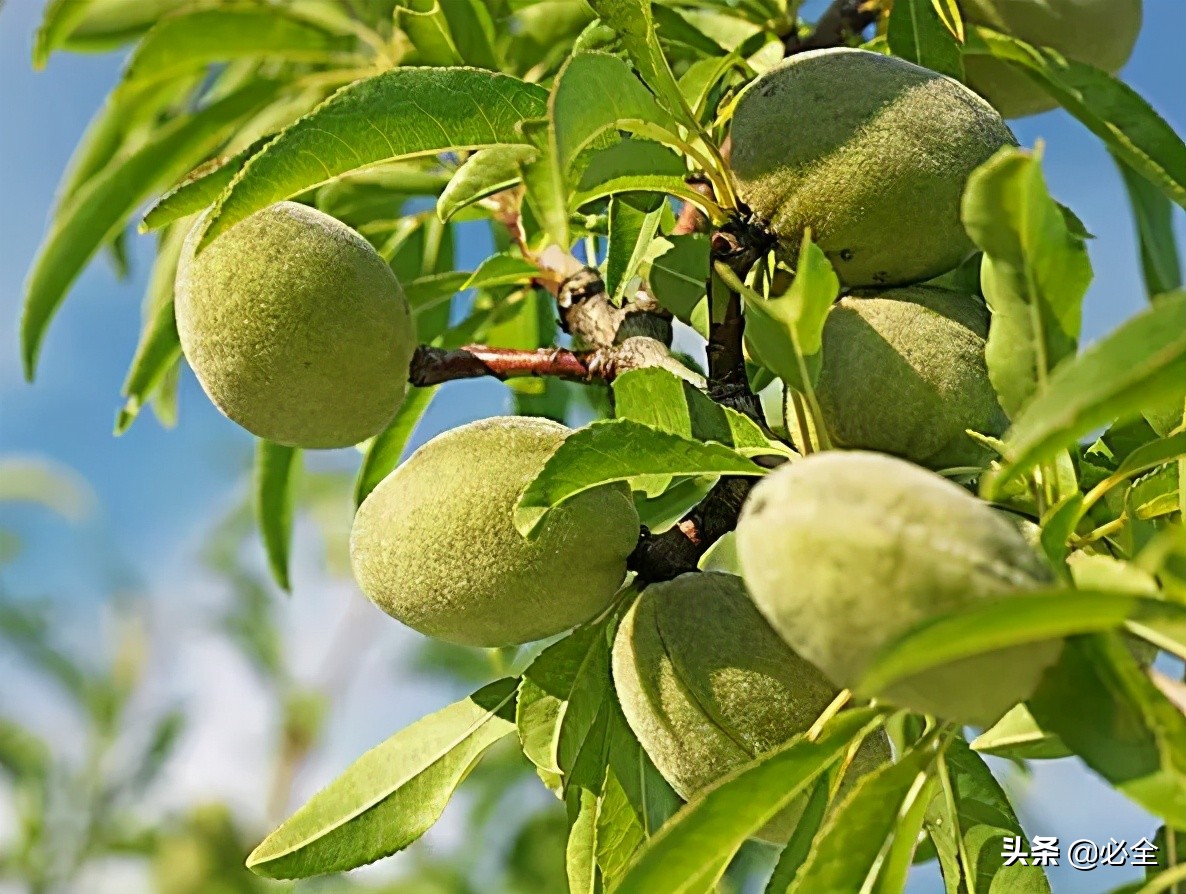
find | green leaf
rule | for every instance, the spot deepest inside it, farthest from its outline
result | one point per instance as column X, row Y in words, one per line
column 1028, row 617
column 154, row 370
column 1110, row 109
column 502, row 269
column 968, row 821
column 199, row 189
column 30, row 479
column 662, row 400
column 429, row 292
column 560, row 696
column 401, row 113
column 450, row 33
column 1153, row 214
column 385, row 449
column 60, row 18
column 391, row 795
column 918, row 34
column 482, row 174
column 276, row 468
column 1141, row 363
column 119, row 123
column 618, row 450
column 633, row 222
column 845, row 855
column 795, row 853
column 1151, row 455
column 1034, row 274
column 1018, row 736
column 633, row 22
column 595, row 93
column 678, row 277
column 693, row 849
column 23, row 754
column 193, row 39
column 785, row 334
column 545, row 182
column 1107, row 710
column 634, row 165
column 156, row 354
column 102, row 207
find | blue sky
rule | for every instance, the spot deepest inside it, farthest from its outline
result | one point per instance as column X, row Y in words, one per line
column 157, row 489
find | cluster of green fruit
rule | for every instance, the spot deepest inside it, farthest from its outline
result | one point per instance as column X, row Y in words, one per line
column 839, row 552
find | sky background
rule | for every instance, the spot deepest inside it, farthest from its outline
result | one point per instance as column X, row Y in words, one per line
column 159, row 492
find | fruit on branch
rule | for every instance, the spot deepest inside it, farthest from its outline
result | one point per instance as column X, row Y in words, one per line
column 869, row 152
column 904, row 373
column 434, row 544
column 707, row 686
column 1098, row 32
column 845, row 551
column 295, row 326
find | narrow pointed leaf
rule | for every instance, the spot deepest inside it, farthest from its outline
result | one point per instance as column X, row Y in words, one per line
column 1026, row 618
column 618, row 450
column 1109, row 108
column 103, row 206
column 402, row 113
column 694, row 847
column 785, row 333
column 482, row 174
column 633, row 22
column 918, row 34
column 1035, row 273
column 200, row 188
column 385, row 449
column 1139, row 365
column 276, row 468
column 845, row 856
column 1153, row 214
column 196, row 38
column 391, row 795
column 973, row 816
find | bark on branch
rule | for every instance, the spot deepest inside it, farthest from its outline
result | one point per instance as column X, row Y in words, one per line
column 840, row 22
column 432, row 366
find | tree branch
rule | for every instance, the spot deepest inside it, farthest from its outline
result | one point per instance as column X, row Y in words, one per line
column 739, row 245
column 432, row 366
column 678, row 550
column 840, row 22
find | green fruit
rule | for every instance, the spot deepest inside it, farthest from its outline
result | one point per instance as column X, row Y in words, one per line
column 434, row 544
column 845, row 551
column 904, row 373
column 296, row 327
column 707, row 686
column 1098, row 32
column 870, row 152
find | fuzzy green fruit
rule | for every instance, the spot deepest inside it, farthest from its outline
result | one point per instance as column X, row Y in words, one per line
column 870, row 152
column 845, row 551
column 434, row 544
column 296, row 327
column 707, row 686
column 1098, row 32
column 904, row 373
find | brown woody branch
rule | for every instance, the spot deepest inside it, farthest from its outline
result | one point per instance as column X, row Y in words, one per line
column 739, row 245
column 840, row 23
column 432, row 366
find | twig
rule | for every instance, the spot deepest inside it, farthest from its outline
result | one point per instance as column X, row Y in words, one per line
column 840, row 22
column 432, row 366
column 678, row 550
column 738, row 245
